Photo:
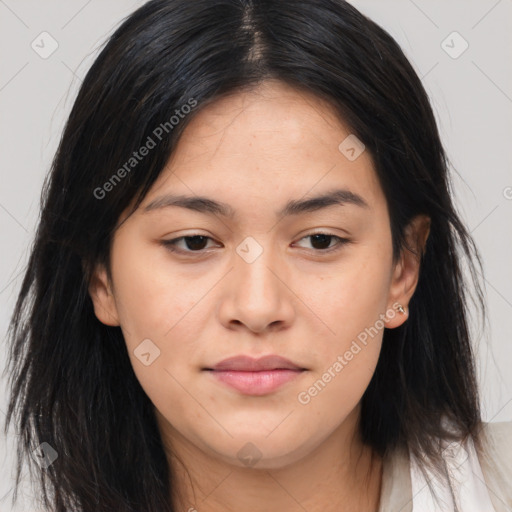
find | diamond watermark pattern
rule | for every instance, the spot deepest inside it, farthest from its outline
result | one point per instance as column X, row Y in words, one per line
column 351, row 147
column 44, row 45
column 146, row 352
column 249, row 250
column 44, row 455
column 454, row 45
column 249, row 454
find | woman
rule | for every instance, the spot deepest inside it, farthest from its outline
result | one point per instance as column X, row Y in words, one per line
column 246, row 291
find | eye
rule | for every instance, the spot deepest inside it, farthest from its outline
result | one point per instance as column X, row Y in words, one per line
column 321, row 241
column 193, row 243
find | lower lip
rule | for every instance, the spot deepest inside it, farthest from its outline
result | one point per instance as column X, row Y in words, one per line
column 256, row 383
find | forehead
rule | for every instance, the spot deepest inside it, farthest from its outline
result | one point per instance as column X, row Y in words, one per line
column 271, row 143
column 269, row 119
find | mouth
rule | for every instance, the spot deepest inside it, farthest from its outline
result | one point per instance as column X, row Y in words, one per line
column 256, row 377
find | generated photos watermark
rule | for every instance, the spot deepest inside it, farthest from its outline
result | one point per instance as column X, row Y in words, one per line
column 151, row 142
column 305, row 397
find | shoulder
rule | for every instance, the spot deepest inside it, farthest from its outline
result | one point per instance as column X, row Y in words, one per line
column 496, row 462
column 498, row 437
column 481, row 478
column 476, row 476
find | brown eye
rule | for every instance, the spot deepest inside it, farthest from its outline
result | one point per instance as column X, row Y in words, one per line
column 321, row 242
column 195, row 243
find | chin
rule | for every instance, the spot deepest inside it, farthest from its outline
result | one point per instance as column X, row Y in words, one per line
column 262, row 452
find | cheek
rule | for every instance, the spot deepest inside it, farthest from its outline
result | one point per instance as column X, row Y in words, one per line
column 333, row 394
column 351, row 295
column 348, row 355
column 150, row 297
column 154, row 311
column 351, row 303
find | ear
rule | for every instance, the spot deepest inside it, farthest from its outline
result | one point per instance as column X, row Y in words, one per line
column 100, row 290
column 407, row 269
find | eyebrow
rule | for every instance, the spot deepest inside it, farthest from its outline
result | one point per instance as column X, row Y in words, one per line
column 338, row 197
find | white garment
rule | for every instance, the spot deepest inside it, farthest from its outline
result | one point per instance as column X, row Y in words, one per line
column 473, row 482
column 463, row 489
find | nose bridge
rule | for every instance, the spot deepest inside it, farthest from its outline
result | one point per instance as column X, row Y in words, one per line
column 253, row 269
column 256, row 296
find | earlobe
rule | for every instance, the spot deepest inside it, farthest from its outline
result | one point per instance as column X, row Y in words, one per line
column 396, row 315
column 100, row 291
column 407, row 269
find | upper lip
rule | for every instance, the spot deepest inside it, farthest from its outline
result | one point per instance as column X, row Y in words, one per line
column 249, row 364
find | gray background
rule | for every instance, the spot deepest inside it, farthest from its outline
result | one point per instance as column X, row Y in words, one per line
column 471, row 93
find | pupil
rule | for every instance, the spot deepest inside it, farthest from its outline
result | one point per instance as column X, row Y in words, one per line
column 322, row 238
column 193, row 244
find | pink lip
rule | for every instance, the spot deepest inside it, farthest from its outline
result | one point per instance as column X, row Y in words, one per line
column 256, row 376
column 250, row 364
column 256, row 383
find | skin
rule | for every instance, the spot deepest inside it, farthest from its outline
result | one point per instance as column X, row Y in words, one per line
column 256, row 150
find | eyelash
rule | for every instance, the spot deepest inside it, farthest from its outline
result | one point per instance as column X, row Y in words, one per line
column 170, row 244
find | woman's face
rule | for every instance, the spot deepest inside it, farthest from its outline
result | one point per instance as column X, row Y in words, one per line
column 256, row 281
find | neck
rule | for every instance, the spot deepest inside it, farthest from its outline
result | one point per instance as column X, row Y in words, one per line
column 339, row 475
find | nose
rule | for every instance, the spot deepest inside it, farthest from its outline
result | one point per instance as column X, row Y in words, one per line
column 257, row 295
